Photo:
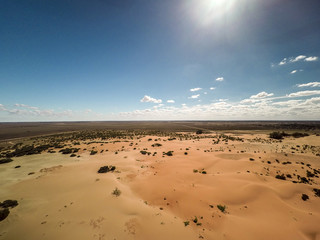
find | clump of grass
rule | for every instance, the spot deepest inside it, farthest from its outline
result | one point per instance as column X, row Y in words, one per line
column 195, row 170
column 186, row 223
column 222, row 208
column 116, row 192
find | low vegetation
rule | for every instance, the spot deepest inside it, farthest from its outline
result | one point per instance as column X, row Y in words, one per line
column 116, row 192
column 281, row 135
column 169, row 153
column 222, row 208
column 5, row 160
column 106, row 169
column 4, row 208
column 281, row 177
column 304, row 197
column 156, row 145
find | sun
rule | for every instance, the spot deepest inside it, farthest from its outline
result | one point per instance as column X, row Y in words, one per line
column 207, row 12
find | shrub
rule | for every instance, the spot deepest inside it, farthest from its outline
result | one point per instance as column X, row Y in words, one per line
column 116, row 192
column 5, row 160
column 199, row 132
column 281, row 177
column 276, row 135
column 186, row 223
column 222, row 208
column 195, row 220
column 66, row 151
column 93, row 152
column 316, row 192
column 143, row 152
column 4, row 213
column 106, row 169
column 310, row 174
column 304, row 197
column 169, row 153
column 304, row 180
column 156, row 145
column 9, row 203
column 298, row 135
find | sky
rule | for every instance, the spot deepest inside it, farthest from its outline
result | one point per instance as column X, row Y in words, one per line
column 79, row 60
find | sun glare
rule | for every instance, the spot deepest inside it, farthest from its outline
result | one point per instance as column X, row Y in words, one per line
column 207, row 12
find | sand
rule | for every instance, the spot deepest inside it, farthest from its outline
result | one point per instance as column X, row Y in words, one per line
column 65, row 197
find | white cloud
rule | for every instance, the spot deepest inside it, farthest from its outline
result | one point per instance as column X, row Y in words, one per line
column 195, row 89
column 158, row 106
column 150, row 99
column 170, row 101
column 25, row 106
column 205, row 93
column 304, row 93
column 310, row 84
column 195, row 96
column 261, row 95
column 212, row 88
column 302, row 109
column 284, row 61
column 2, row 108
column 311, row 59
column 287, row 103
column 298, row 58
column 220, row 79
column 294, row 71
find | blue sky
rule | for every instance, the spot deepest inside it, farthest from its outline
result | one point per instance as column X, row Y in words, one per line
column 159, row 60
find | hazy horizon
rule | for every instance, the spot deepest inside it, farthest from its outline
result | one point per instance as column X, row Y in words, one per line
column 208, row 60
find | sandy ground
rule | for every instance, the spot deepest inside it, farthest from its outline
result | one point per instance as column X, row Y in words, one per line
column 65, row 198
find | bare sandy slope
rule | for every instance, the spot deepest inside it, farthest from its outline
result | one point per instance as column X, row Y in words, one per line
column 66, row 198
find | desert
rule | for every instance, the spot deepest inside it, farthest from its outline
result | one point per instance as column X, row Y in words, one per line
column 160, row 120
column 169, row 184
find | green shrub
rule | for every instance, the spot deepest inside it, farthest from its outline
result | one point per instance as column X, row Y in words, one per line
column 222, row 208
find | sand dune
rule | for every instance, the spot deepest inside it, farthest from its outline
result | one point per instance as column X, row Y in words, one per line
column 166, row 197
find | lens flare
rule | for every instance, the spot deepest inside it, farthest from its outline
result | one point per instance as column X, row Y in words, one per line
column 207, row 12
